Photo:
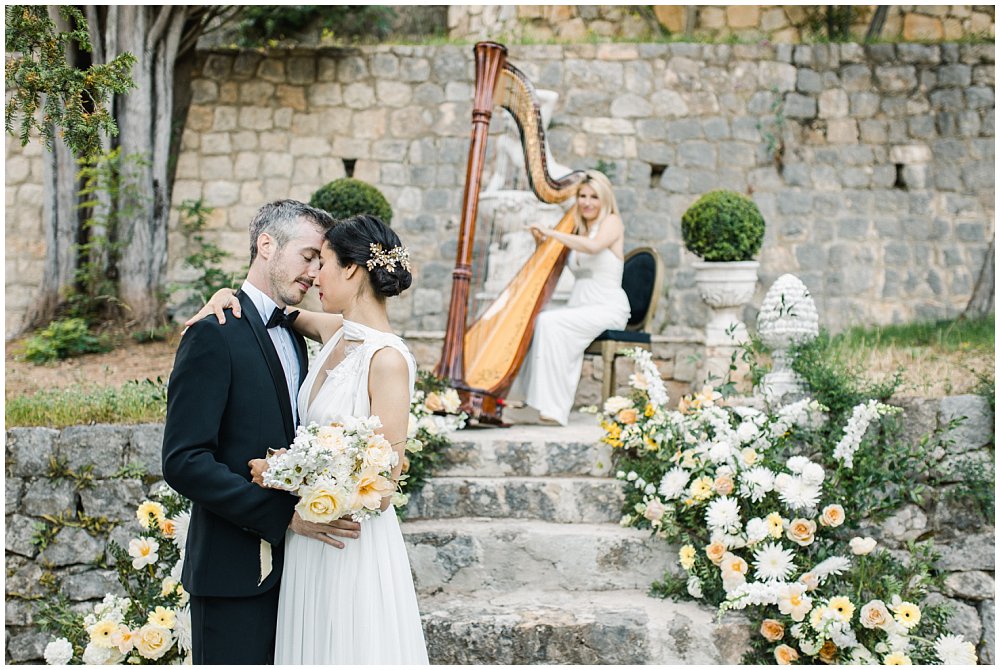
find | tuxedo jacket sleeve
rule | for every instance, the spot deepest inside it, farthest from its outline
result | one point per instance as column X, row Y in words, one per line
column 224, row 408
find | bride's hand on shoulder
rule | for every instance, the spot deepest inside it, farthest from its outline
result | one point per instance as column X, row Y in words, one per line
column 224, row 298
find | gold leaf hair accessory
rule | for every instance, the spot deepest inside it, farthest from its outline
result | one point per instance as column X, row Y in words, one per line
column 388, row 259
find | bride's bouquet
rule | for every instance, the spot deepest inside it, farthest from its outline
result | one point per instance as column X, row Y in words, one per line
column 336, row 470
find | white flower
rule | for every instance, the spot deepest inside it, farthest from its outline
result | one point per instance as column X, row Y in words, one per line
column 772, row 563
column 143, row 551
column 673, row 483
column 757, row 530
column 58, row 652
column 94, row 655
column 756, row 483
column 842, row 635
column 721, row 451
column 451, row 401
column 792, row 600
column 861, row 546
column 831, row 566
column 694, row 587
column 620, row 474
column 632, row 476
column 723, row 515
column 861, row 419
column 810, row 647
column 797, row 493
column 861, row 656
column 813, row 474
column 181, row 523
column 650, row 489
column 796, row 464
column 182, row 629
column 950, row 650
column 615, row 404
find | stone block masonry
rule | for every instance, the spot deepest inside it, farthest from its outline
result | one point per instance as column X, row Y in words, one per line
column 873, row 165
column 507, row 515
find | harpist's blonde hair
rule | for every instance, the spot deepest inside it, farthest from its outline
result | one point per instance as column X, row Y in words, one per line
column 602, row 187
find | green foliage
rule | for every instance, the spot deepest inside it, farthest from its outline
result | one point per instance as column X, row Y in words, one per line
column 57, row 614
column 606, row 168
column 723, row 226
column 832, row 23
column 63, row 339
column 207, row 258
column 944, row 334
column 266, row 25
column 986, row 389
column 76, row 100
column 158, row 334
column 134, row 402
column 347, row 197
column 111, row 194
column 59, row 469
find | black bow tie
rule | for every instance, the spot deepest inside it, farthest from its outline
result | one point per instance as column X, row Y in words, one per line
column 279, row 318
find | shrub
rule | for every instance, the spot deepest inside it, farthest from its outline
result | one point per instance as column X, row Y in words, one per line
column 723, row 226
column 62, row 339
column 348, row 197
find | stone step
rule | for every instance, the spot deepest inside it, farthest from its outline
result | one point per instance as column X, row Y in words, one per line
column 558, row 499
column 473, row 554
column 528, row 451
column 559, row 627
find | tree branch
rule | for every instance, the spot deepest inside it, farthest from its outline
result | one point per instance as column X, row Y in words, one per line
column 156, row 31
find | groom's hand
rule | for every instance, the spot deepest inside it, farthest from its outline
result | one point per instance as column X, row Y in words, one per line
column 323, row 531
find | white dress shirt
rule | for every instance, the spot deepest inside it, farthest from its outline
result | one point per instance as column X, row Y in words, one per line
column 283, row 344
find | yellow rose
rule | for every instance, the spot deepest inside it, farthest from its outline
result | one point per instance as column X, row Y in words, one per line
column 433, row 402
column 168, row 527
column 772, row 630
column 907, row 614
column 875, row 615
column 828, row 652
column 687, row 554
column 809, row 580
column 715, row 552
column 321, row 505
column 897, row 658
column 833, row 516
column 723, row 485
column 801, row 532
column 843, row 607
column 628, row 415
column 153, row 642
column 785, row 655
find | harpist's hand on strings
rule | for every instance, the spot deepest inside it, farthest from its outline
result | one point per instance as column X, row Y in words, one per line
column 224, row 298
column 323, row 531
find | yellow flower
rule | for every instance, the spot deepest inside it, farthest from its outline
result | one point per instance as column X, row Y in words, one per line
column 184, row 596
column 749, row 455
column 801, row 531
column 150, row 510
column 153, row 642
column 321, row 504
column 124, row 638
column 907, row 614
column 816, row 616
column 715, row 552
column 372, row 487
column 833, row 516
column 167, row 586
column 843, row 607
column 775, row 524
column 162, row 617
column 828, row 652
column 650, row 444
column 772, row 630
column 102, row 633
column 785, row 655
column 687, row 554
column 897, row 658
column 809, row 580
column 628, row 415
column 168, row 526
column 433, row 402
column 650, row 410
column 701, row 488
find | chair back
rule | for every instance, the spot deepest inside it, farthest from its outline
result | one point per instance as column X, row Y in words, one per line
column 641, row 279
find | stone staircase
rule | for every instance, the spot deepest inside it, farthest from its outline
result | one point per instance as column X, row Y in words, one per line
column 518, row 559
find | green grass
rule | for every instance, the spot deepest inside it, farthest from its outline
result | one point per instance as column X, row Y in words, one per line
column 133, row 402
column 947, row 335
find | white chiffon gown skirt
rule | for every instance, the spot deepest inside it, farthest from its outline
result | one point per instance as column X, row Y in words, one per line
column 360, row 601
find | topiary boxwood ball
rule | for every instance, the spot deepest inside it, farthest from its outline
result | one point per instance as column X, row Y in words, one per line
column 723, row 226
column 347, row 197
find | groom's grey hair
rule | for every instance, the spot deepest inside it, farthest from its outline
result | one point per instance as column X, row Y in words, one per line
column 279, row 219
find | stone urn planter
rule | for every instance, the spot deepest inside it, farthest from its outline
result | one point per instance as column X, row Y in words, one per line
column 726, row 287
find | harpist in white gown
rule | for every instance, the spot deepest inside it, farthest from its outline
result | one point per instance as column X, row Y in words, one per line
column 355, row 605
column 551, row 369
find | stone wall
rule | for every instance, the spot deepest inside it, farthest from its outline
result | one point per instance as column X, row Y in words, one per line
column 882, row 201
column 787, row 24
column 118, row 453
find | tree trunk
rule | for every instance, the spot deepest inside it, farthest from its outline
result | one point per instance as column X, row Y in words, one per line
column 982, row 301
column 877, row 23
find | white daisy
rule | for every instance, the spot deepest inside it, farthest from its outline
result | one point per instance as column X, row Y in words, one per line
column 723, row 515
column 831, row 566
column 772, row 563
column 756, row 483
column 798, row 494
column 954, row 650
column 673, row 483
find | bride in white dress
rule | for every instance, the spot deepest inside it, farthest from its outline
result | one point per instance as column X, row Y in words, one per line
column 551, row 370
column 352, row 605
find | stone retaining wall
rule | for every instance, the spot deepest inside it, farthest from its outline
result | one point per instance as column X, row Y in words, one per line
column 115, row 454
column 777, row 23
column 873, row 165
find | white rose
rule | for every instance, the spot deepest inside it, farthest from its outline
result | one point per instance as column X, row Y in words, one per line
column 451, row 401
column 615, row 404
column 862, row 545
column 94, row 655
column 153, row 642
column 58, row 652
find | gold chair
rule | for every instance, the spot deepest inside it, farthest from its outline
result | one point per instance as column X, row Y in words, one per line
column 641, row 279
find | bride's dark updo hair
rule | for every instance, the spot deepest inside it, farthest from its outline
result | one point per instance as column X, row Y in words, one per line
column 364, row 240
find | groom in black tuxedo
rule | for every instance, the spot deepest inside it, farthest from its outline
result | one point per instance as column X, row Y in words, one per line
column 231, row 397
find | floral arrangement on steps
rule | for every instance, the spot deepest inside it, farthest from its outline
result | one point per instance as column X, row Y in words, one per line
column 756, row 501
column 152, row 622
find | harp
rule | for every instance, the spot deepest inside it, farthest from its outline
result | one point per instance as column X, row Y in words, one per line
column 481, row 359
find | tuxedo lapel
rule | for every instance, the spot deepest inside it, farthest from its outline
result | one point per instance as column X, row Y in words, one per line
column 272, row 360
column 303, row 356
